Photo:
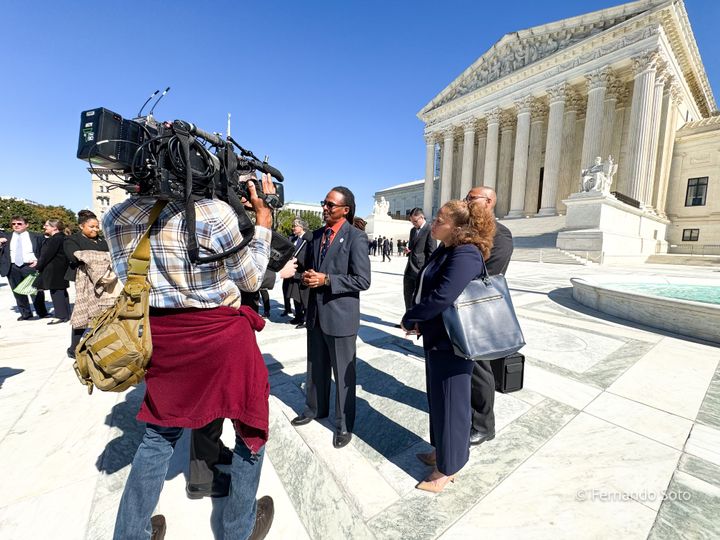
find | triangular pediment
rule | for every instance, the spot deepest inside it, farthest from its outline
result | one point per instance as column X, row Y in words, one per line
column 517, row 50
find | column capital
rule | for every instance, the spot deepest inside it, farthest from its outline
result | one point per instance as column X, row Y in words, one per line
column 645, row 61
column 538, row 110
column 448, row 132
column 675, row 91
column 524, row 104
column 431, row 137
column 482, row 129
column 573, row 101
column 600, row 78
column 469, row 124
column 493, row 115
column 507, row 119
column 662, row 73
column 558, row 92
column 615, row 89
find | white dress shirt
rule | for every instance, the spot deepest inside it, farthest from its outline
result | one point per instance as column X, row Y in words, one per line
column 27, row 248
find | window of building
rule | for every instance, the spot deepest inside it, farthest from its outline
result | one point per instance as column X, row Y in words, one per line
column 696, row 191
column 691, row 235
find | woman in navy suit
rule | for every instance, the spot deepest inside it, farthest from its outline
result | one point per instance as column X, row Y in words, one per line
column 466, row 232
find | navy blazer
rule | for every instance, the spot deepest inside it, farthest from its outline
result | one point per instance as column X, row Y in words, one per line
column 337, row 307
column 449, row 270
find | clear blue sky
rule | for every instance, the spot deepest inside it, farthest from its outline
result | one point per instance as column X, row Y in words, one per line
column 329, row 89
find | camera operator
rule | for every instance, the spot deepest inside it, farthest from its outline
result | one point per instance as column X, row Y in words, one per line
column 206, row 364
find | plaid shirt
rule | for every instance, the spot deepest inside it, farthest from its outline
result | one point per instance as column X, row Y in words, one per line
column 175, row 281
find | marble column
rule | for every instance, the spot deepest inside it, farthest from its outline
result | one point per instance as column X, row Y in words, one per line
column 553, row 149
column 507, row 128
column 618, row 147
column 538, row 118
column 644, row 66
column 447, row 165
column 491, row 148
column 566, row 179
column 609, row 109
column 652, row 148
column 671, row 101
column 466, row 175
column 522, row 141
column 480, row 158
column 429, row 173
column 597, row 83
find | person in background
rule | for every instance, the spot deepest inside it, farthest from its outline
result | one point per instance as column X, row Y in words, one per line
column 418, row 250
column 53, row 265
column 19, row 252
column 466, row 232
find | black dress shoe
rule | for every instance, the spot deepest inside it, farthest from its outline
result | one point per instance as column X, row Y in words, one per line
column 159, row 526
column 295, row 320
column 342, row 439
column 478, row 437
column 301, row 325
column 263, row 518
column 220, row 488
column 301, row 420
column 57, row 321
column 24, row 317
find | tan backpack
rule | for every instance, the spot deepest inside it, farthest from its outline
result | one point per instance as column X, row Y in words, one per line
column 114, row 352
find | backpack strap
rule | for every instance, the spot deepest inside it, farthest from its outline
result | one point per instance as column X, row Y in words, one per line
column 139, row 261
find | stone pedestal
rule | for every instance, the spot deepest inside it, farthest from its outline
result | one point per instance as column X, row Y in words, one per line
column 607, row 230
column 384, row 225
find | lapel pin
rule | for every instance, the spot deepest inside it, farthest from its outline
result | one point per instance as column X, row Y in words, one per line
column 341, row 240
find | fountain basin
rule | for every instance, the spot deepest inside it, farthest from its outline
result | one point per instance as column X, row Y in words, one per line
column 638, row 299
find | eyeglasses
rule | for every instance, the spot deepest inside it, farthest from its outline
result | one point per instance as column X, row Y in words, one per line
column 331, row 205
column 18, row 223
column 470, row 199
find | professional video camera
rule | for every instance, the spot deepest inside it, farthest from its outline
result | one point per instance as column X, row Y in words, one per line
column 147, row 157
column 178, row 161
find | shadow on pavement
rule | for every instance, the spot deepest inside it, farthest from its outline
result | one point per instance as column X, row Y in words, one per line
column 7, row 372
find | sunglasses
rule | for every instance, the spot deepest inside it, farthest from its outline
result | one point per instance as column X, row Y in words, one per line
column 331, row 205
column 476, row 197
column 17, row 223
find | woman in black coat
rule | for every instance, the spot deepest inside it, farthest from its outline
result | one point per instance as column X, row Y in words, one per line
column 466, row 233
column 53, row 265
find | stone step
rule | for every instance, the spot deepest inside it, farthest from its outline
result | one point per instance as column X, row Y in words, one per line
column 545, row 255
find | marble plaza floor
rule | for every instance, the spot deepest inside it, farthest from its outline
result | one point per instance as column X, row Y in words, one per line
column 615, row 435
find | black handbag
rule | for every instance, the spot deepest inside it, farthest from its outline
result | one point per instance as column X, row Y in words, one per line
column 481, row 322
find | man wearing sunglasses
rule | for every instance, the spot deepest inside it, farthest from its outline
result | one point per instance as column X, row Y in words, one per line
column 338, row 268
column 19, row 252
column 482, row 394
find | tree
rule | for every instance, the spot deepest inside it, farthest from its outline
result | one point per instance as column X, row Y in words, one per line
column 284, row 220
column 36, row 214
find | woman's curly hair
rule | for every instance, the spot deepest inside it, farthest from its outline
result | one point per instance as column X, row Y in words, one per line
column 474, row 224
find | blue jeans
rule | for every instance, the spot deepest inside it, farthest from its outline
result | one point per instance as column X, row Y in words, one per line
column 147, row 476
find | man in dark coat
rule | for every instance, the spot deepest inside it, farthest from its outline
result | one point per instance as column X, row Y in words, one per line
column 418, row 250
column 338, row 268
column 19, row 253
column 483, row 381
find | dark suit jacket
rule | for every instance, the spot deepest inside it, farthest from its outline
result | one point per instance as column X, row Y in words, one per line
column 449, row 270
column 337, row 307
column 36, row 240
column 296, row 290
column 501, row 252
column 52, row 264
column 421, row 245
column 79, row 242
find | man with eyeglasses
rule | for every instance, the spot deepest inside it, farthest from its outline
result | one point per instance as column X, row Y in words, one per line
column 337, row 269
column 19, row 254
column 482, row 394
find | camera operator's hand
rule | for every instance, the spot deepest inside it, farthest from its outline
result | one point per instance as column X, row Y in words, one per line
column 263, row 215
column 289, row 269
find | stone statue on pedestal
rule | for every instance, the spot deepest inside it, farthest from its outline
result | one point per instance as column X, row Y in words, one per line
column 381, row 207
column 598, row 177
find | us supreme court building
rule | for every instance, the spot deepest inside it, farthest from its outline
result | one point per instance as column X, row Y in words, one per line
column 538, row 107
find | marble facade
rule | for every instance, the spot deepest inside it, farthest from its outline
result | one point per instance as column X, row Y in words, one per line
column 542, row 103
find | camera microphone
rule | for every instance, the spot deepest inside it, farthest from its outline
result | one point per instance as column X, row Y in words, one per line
column 158, row 100
column 266, row 168
column 307, row 237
